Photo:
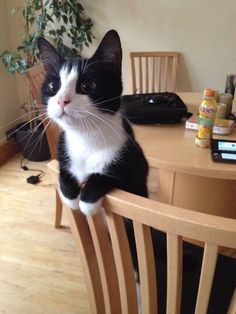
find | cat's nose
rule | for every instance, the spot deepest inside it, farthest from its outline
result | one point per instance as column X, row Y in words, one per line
column 63, row 101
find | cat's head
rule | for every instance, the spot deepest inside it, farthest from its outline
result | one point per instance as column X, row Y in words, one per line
column 82, row 89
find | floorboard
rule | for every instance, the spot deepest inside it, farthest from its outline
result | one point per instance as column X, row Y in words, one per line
column 40, row 269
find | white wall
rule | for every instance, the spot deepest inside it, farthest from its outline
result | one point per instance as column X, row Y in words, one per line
column 9, row 100
column 204, row 31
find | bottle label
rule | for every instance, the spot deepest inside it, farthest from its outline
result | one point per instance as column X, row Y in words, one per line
column 208, row 112
column 206, row 121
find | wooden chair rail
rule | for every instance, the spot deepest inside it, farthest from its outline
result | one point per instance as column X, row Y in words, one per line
column 103, row 245
column 183, row 222
column 154, row 54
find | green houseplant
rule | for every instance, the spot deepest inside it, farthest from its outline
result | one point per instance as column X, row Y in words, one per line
column 65, row 24
column 59, row 21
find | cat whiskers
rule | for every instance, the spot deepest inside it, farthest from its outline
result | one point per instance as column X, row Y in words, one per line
column 22, row 126
column 115, row 112
column 96, row 101
column 40, row 137
column 31, row 135
column 20, row 117
column 122, row 129
column 104, row 101
column 88, row 128
column 15, row 106
column 104, row 121
column 100, row 131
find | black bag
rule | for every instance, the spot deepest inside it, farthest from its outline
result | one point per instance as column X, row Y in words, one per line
column 154, row 108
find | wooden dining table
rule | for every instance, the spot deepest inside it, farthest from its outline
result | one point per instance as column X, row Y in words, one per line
column 182, row 173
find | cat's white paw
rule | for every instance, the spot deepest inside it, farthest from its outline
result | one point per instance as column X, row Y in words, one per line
column 73, row 204
column 90, row 208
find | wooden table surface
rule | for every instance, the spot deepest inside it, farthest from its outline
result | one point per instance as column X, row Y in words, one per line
column 172, row 146
column 183, row 174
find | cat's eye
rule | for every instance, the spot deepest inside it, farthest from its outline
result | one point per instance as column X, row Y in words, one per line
column 87, row 86
column 54, row 86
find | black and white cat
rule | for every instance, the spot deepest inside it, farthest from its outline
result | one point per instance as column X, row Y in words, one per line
column 97, row 150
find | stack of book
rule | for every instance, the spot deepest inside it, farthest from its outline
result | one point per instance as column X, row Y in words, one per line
column 221, row 126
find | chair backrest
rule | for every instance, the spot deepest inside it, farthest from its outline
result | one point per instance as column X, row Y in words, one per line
column 106, row 258
column 36, row 76
column 154, row 71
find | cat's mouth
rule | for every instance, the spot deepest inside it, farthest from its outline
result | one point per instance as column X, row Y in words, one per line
column 68, row 119
column 62, row 115
column 66, row 116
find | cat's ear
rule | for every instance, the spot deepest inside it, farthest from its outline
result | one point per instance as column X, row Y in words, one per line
column 51, row 59
column 110, row 49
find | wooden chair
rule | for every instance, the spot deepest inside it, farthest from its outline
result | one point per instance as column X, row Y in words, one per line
column 154, row 71
column 35, row 76
column 106, row 258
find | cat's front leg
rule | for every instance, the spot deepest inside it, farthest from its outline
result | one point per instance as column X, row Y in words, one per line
column 92, row 193
column 69, row 189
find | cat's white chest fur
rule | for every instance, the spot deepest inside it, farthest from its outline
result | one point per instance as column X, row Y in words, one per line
column 90, row 155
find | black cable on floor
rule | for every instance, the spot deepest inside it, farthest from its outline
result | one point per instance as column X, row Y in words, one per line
column 35, row 178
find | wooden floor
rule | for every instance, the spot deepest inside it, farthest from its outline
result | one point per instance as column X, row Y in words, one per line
column 40, row 269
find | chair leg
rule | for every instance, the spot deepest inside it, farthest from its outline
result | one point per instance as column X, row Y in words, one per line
column 58, row 215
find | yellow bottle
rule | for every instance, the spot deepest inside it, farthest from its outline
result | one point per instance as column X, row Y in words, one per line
column 207, row 114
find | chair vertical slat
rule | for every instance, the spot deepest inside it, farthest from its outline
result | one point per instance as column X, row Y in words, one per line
column 153, row 74
column 82, row 235
column 147, row 75
column 147, row 269
column 59, row 207
column 133, row 73
column 206, row 278
column 123, row 262
column 140, row 76
column 165, row 74
column 35, row 77
column 159, row 74
column 232, row 306
column 174, row 74
column 156, row 77
column 106, row 263
column 174, row 273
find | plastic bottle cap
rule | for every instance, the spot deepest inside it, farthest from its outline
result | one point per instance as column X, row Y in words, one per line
column 209, row 92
